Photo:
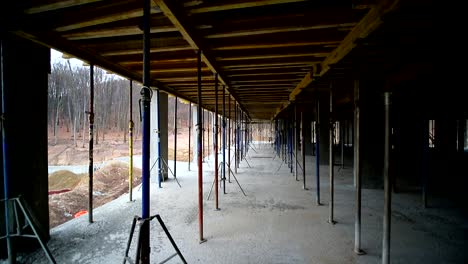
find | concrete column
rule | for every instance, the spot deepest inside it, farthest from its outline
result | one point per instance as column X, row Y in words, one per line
column 26, row 68
column 194, row 134
column 163, row 115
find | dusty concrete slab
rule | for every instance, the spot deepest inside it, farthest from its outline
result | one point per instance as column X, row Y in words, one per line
column 277, row 222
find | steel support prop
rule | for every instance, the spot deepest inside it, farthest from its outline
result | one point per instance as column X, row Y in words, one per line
column 357, row 171
column 199, row 144
column 229, row 139
column 130, row 143
column 216, row 144
column 295, row 141
column 235, row 138
column 146, row 134
column 317, row 152
column 175, row 136
column 189, row 133
column 224, row 141
column 91, row 134
column 9, row 222
column 331, row 161
column 303, row 151
column 387, row 185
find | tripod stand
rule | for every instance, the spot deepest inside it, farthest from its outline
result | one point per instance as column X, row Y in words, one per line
column 13, row 204
column 141, row 222
column 165, row 163
column 224, row 178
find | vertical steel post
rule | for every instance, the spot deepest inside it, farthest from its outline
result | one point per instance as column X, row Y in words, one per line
column 387, row 185
column 91, row 133
column 175, row 136
column 425, row 160
column 303, row 151
column 229, row 139
column 357, row 171
column 342, row 136
column 216, row 143
column 189, row 133
column 224, row 140
column 331, row 161
column 235, row 138
column 295, row 141
column 199, row 143
column 203, row 134
column 317, row 152
column 5, row 156
column 146, row 134
column 130, row 143
column 208, row 134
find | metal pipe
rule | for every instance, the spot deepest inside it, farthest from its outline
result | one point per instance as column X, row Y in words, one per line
column 303, row 151
column 91, row 133
column 5, row 156
column 331, row 161
column 425, row 161
column 130, row 143
column 146, row 134
column 216, row 143
column 158, row 136
column 208, row 135
column 357, row 171
column 342, row 136
column 317, row 152
column 295, row 140
column 189, row 134
column 199, row 143
column 229, row 139
column 175, row 137
column 387, row 185
column 224, row 140
column 235, row 138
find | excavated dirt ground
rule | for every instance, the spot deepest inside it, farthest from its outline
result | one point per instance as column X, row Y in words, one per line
column 68, row 192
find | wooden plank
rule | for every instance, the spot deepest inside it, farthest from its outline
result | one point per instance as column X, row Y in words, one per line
column 274, row 56
column 180, row 21
column 237, row 4
column 140, row 51
column 275, row 45
column 116, row 32
column 260, row 31
column 57, row 4
column 54, row 41
column 104, row 17
column 371, row 21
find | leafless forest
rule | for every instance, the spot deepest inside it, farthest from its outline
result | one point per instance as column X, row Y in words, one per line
column 68, row 107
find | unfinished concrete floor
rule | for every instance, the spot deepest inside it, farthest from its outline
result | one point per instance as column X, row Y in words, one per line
column 277, row 222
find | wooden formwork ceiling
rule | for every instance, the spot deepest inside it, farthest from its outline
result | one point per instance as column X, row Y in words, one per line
column 265, row 52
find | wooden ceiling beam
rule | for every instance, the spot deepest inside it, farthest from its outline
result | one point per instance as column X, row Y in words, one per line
column 179, row 19
column 55, row 41
column 117, row 32
column 270, row 30
column 311, row 55
column 57, row 4
column 140, row 51
column 102, row 18
column 368, row 24
column 236, row 4
column 275, row 45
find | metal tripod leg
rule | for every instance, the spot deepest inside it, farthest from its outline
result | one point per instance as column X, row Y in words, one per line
column 173, row 175
column 237, row 182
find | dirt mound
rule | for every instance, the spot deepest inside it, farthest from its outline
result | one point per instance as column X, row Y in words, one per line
column 109, row 182
column 64, row 179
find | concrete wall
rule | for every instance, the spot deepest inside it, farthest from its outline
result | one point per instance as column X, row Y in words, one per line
column 26, row 68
